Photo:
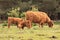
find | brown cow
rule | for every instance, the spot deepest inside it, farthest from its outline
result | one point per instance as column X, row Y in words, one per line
column 38, row 17
column 19, row 22
column 25, row 23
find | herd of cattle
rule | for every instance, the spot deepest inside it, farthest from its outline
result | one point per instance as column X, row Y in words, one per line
column 36, row 17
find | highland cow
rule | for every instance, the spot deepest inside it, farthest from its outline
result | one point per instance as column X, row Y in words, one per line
column 39, row 17
column 21, row 23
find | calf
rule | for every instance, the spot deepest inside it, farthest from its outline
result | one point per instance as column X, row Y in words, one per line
column 19, row 22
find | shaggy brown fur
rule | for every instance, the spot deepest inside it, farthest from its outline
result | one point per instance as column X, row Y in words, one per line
column 25, row 23
column 39, row 17
column 19, row 22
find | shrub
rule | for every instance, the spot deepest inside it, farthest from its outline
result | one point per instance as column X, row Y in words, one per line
column 22, row 15
column 14, row 12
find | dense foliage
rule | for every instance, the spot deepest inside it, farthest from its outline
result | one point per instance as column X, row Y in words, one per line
column 10, row 7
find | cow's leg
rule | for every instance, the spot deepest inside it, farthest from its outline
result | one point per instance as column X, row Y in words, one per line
column 17, row 26
column 29, row 24
column 9, row 24
column 40, row 24
column 22, row 27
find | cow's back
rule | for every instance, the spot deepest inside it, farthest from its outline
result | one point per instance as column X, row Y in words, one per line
column 32, row 16
column 37, row 16
column 15, row 20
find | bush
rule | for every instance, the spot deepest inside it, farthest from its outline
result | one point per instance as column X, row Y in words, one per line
column 22, row 15
column 14, row 12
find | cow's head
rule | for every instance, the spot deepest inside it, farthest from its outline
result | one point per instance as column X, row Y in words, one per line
column 50, row 23
column 28, row 23
column 24, row 23
column 21, row 24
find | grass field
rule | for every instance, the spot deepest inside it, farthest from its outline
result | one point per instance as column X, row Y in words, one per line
column 35, row 33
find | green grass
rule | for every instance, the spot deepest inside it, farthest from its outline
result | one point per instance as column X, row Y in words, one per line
column 35, row 33
column 57, row 22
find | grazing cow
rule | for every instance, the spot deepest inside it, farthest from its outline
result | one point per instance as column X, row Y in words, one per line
column 19, row 22
column 25, row 23
column 38, row 17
